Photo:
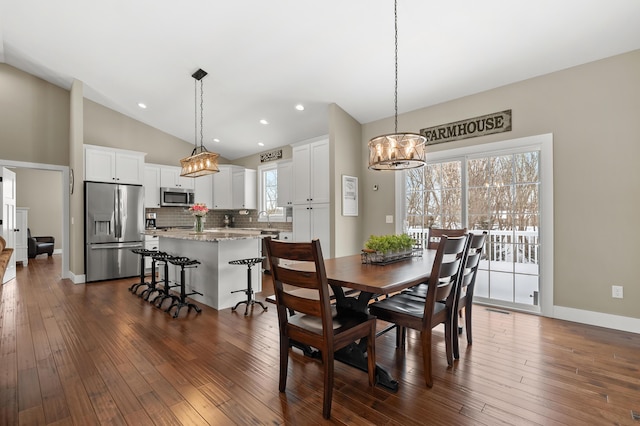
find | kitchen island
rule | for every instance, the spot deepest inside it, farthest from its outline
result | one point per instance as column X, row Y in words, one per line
column 214, row 277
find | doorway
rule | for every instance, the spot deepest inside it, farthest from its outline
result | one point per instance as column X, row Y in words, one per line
column 62, row 174
column 504, row 188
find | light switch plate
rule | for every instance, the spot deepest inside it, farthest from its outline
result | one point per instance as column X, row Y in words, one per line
column 389, row 218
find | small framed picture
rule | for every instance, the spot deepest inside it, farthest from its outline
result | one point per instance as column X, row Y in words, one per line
column 349, row 195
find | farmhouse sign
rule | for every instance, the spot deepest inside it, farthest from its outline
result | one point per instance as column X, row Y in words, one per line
column 271, row 156
column 497, row 122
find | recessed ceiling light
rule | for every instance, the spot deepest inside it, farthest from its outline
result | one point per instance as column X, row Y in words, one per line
column 216, row 140
column 260, row 143
column 263, row 121
column 300, row 107
column 142, row 105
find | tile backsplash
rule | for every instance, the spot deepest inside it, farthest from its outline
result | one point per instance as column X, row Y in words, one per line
column 180, row 216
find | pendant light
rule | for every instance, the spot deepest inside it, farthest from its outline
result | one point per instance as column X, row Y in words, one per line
column 397, row 151
column 201, row 162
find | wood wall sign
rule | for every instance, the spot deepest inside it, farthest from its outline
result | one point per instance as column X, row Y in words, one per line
column 271, row 156
column 497, row 122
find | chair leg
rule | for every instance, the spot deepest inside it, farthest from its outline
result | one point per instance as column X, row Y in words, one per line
column 455, row 339
column 425, row 337
column 284, row 361
column 467, row 322
column 328, row 361
column 401, row 336
column 448, row 340
column 371, row 356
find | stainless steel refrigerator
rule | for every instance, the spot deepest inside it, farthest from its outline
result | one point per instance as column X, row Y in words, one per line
column 114, row 224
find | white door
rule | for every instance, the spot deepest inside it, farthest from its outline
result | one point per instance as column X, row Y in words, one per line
column 8, row 195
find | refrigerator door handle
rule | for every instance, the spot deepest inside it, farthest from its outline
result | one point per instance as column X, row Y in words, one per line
column 115, row 246
column 118, row 214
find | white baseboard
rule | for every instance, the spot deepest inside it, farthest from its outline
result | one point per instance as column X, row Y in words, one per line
column 615, row 322
column 77, row 279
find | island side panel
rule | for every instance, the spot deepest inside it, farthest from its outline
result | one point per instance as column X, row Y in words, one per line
column 214, row 277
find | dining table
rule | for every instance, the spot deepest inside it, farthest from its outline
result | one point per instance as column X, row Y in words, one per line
column 370, row 281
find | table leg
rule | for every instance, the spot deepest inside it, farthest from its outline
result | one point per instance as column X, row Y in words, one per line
column 355, row 354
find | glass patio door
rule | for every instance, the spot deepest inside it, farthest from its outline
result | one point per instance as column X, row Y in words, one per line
column 499, row 194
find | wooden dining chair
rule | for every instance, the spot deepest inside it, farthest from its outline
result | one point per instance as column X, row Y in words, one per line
column 423, row 314
column 467, row 284
column 436, row 233
column 316, row 322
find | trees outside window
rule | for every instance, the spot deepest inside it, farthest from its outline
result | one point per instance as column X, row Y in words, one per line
column 268, row 193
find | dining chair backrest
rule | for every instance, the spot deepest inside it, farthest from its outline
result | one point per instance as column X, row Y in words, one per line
column 444, row 280
column 285, row 279
column 436, row 233
column 472, row 261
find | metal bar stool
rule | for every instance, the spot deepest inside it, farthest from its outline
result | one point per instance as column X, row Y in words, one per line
column 249, row 291
column 143, row 253
column 164, row 292
column 181, row 301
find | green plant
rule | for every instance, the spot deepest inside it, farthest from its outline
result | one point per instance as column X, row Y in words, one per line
column 389, row 243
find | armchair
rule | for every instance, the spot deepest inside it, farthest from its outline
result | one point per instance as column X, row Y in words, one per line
column 39, row 245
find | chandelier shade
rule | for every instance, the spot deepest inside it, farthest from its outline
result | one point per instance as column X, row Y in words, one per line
column 397, row 151
column 201, row 162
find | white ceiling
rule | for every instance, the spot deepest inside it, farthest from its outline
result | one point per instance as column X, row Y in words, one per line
column 263, row 57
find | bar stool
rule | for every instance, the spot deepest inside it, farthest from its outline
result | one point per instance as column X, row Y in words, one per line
column 249, row 291
column 152, row 287
column 181, row 301
column 164, row 292
column 143, row 253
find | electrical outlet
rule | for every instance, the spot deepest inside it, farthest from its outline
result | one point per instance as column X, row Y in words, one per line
column 616, row 291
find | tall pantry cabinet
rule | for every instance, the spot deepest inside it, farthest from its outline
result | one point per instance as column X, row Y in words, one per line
column 311, row 201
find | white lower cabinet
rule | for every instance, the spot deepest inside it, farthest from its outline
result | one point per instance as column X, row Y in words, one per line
column 150, row 243
column 310, row 222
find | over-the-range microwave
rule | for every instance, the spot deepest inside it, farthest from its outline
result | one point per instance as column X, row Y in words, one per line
column 176, row 197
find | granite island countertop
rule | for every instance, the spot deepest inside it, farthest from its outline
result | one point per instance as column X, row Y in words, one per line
column 210, row 235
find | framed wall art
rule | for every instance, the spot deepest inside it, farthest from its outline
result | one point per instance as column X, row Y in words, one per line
column 349, row 195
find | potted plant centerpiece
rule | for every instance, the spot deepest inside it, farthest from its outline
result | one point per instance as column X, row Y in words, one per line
column 385, row 248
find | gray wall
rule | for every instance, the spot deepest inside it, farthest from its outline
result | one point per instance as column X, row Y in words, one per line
column 41, row 192
column 34, row 119
column 593, row 111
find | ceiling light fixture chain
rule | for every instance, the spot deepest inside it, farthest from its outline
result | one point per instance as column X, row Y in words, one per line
column 201, row 162
column 397, row 151
column 201, row 111
column 395, row 94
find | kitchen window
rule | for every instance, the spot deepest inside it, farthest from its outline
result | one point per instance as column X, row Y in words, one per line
column 268, row 194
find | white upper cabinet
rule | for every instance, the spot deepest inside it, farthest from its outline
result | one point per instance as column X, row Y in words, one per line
column 243, row 185
column 170, row 178
column 204, row 190
column 234, row 188
column 151, row 186
column 102, row 164
column 222, row 199
column 285, row 183
column 311, row 173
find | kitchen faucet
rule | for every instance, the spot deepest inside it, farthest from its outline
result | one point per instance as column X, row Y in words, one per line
column 268, row 219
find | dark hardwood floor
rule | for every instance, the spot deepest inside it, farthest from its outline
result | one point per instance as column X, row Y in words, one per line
column 96, row 354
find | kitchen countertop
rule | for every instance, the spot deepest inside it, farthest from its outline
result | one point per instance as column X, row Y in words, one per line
column 211, row 235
